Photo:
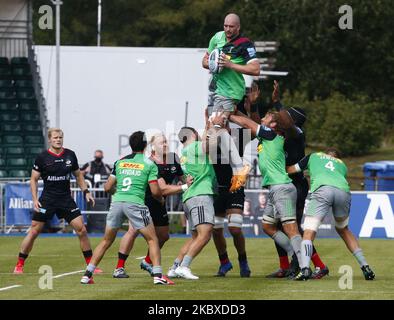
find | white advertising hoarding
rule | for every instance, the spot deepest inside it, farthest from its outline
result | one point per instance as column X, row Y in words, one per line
column 109, row 92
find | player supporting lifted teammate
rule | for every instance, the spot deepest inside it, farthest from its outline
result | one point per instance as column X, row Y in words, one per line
column 169, row 169
column 238, row 56
column 230, row 204
column 131, row 175
column 197, row 200
column 295, row 150
column 330, row 190
column 282, row 193
column 55, row 166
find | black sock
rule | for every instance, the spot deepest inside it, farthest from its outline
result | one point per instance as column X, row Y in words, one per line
column 223, row 258
column 87, row 253
column 160, row 275
column 23, row 255
column 122, row 256
column 242, row 257
column 88, row 274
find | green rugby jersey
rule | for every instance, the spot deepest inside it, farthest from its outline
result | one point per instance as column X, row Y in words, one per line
column 196, row 163
column 133, row 173
column 230, row 83
column 325, row 170
column 271, row 156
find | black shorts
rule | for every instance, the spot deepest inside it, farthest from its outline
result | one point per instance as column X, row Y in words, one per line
column 63, row 208
column 227, row 200
column 158, row 213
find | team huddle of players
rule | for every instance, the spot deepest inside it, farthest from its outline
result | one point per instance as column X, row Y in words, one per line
column 211, row 176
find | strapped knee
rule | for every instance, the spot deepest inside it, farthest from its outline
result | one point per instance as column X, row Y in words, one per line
column 342, row 224
column 235, row 220
column 269, row 219
column 312, row 223
column 219, row 222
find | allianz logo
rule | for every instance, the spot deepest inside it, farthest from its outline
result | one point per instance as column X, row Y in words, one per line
column 20, row 203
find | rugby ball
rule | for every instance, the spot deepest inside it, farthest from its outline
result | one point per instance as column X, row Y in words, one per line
column 213, row 61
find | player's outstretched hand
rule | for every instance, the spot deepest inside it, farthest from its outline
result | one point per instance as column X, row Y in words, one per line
column 37, row 205
column 89, row 198
column 219, row 119
column 275, row 92
column 254, row 93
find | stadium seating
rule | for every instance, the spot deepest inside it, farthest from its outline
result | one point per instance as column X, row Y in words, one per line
column 8, row 106
column 3, row 174
column 18, row 173
column 21, row 131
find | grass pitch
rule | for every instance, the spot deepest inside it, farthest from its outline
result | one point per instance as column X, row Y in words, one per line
column 65, row 258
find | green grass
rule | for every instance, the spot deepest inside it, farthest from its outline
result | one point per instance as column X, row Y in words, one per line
column 63, row 255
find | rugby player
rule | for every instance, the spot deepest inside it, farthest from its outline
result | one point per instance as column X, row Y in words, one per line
column 55, row 167
column 168, row 170
column 294, row 151
column 330, row 190
column 197, row 199
column 282, row 193
column 131, row 175
column 238, row 57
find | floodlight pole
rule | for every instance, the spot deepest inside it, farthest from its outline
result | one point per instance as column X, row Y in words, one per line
column 57, row 3
column 186, row 112
column 99, row 23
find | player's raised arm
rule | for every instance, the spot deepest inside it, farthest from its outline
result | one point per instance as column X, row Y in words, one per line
column 245, row 122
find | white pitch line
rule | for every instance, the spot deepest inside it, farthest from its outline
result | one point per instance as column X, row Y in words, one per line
column 10, row 287
column 55, row 277
column 67, row 274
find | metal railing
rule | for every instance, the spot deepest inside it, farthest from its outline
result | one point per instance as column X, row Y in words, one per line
column 38, row 89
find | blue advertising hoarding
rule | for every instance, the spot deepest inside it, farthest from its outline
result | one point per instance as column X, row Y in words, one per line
column 371, row 214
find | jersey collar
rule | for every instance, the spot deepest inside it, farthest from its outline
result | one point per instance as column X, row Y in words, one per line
column 55, row 154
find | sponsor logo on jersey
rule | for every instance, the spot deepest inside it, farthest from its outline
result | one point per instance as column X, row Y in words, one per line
column 130, row 165
column 60, row 178
column 252, row 52
column 59, row 160
column 173, row 169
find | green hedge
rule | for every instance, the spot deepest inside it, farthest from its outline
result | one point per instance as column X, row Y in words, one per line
column 354, row 127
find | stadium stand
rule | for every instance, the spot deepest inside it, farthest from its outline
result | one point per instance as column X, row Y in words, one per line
column 21, row 131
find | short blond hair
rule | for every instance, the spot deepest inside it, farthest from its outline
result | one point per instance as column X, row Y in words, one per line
column 52, row 130
column 156, row 136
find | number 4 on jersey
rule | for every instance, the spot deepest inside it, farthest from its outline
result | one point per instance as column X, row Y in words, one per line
column 329, row 165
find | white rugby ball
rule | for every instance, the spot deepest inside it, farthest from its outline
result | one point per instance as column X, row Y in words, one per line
column 213, row 61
